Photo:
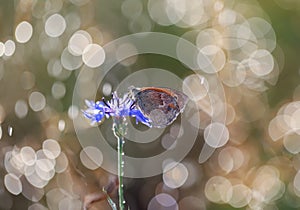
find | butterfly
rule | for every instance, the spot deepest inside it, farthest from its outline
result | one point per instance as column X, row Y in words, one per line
column 160, row 105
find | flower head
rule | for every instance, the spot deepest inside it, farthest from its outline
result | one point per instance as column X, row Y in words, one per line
column 116, row 107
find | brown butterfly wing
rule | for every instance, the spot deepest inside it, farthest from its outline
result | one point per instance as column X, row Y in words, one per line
column 160, row 105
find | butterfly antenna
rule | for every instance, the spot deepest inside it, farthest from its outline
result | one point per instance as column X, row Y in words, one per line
column 132, row 105
column 106, row 104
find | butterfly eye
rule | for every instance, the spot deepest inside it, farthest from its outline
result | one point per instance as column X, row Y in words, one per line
column 175, row 97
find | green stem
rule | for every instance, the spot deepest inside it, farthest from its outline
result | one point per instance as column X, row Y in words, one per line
column 121, row 172
column 119, row 129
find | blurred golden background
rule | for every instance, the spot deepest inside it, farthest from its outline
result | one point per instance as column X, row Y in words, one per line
column 244, row 81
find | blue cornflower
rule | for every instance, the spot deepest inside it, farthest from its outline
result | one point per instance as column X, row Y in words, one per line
column 116, row 107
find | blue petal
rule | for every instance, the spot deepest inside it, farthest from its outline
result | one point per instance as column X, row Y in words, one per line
column 95, row 105
column 94, row 117
column 140, row 117
column 95, row 111
column 99, row 105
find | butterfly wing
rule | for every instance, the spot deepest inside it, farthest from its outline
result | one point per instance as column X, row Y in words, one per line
column 160, row 105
